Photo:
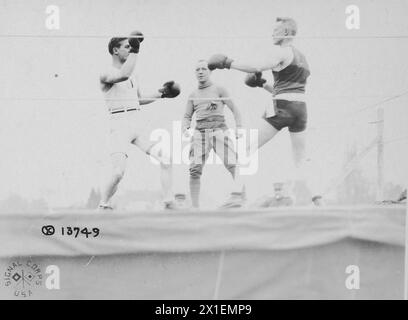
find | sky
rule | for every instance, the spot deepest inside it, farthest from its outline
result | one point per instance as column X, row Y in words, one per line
column 53, row 121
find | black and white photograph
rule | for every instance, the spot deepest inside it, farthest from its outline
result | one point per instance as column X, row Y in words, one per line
column 203, row 151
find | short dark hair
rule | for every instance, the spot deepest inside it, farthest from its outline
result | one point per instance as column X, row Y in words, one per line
column 114, row 43
column 202, row 60
column 289, row 23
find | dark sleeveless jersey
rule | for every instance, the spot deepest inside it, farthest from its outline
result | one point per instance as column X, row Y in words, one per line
column 293, row 78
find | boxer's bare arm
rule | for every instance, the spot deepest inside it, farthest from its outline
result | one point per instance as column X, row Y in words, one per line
column 268, row 87
column 231, row 105
column 170, row 89
column 273, row 60
column 245, row 67
column 149, row 98
column 118, row 75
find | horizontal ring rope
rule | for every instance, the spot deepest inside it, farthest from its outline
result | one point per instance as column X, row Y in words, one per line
column 202, row 36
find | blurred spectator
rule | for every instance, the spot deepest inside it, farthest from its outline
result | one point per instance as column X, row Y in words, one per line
column 181, row 201
column 403, row 196
column 278, row 199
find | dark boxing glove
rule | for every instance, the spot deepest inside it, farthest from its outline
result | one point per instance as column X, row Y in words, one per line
column 254, row 80
column 136, row 37
column 170, row 90
column 219, row 61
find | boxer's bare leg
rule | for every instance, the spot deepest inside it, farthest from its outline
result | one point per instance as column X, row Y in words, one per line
column 298, row 140
column 164, row 158
column 265, row 132
column 303, row 165
column 118, row 162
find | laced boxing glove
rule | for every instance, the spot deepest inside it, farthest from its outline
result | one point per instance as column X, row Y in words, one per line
column 254, row 80
column 136, row 37
column 219, row 61
column 170, row 89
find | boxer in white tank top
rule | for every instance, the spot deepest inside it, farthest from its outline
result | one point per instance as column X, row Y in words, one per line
column 127, row 122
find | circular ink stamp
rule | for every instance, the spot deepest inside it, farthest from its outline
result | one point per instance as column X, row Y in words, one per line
column 23, row 278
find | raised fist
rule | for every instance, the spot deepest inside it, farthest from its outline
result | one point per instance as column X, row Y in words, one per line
column 170, row 89
column 255, row 80
column 135, row 38
column 219, row 61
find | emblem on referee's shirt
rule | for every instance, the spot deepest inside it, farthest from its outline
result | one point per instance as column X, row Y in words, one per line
column 212, row 105
column 23, row 278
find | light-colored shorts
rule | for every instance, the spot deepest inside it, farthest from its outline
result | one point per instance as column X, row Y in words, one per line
column 125, row 127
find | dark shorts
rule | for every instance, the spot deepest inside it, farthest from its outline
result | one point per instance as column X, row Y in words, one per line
column 291, row 114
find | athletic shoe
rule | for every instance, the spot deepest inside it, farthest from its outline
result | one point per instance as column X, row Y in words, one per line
column 317, row 201
column 170, row 205
column 103, row 207
column 236, row 200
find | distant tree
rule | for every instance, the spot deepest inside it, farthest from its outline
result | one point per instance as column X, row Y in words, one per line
column 356, row 188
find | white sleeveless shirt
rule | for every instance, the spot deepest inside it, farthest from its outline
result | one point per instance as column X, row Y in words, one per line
column 122, row 95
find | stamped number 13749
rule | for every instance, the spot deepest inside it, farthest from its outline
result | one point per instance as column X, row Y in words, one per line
column 76, row 231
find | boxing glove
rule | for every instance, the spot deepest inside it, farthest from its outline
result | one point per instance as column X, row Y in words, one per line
column 170, row 90
column 136, row 37
column 219, row 61
column 254, row 80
